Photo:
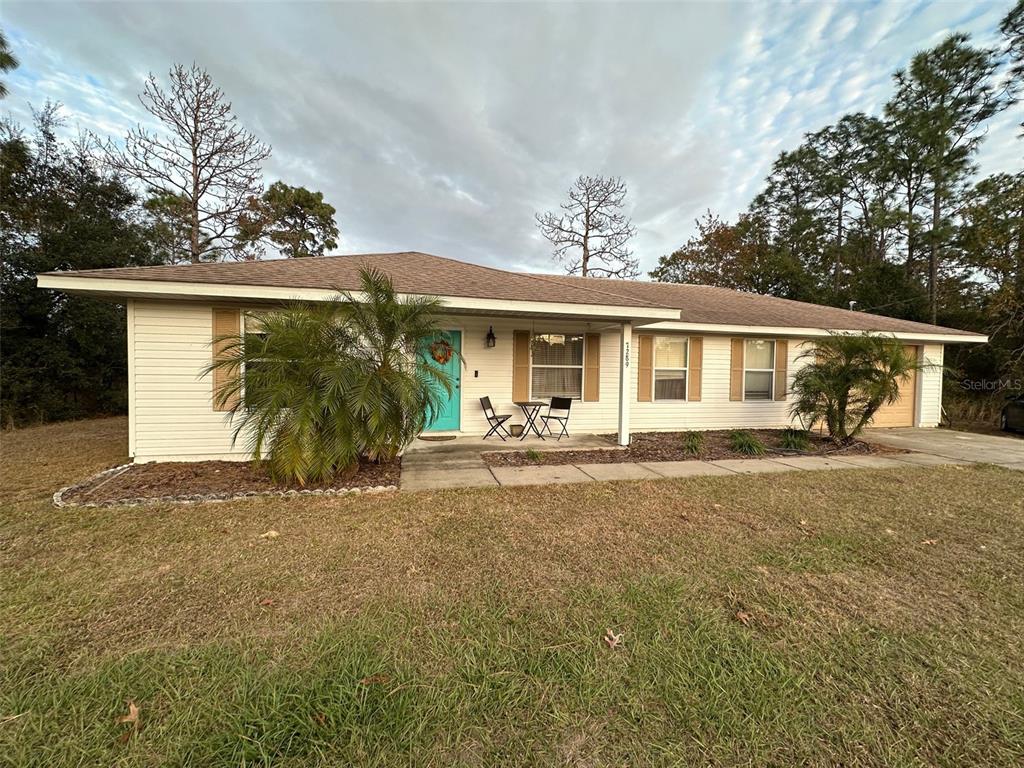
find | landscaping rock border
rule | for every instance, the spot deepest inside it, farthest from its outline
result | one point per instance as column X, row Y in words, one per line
column 199, row 498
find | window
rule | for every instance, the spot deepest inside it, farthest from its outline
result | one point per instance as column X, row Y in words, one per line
column 670, row 358
column 255, row 334
column 758, row 369
column 557, row 365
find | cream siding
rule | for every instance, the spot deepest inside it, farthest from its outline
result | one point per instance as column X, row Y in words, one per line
column 173, row 401
column 929, row 384
column 130, row 322
column 171, row 417
column 715, row 410
column 488, row 372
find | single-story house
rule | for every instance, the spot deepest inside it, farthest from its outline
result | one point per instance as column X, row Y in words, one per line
column 635, row 356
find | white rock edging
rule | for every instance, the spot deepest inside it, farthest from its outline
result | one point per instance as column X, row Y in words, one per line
column 199, row 498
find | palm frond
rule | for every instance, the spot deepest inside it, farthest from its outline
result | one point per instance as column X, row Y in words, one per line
column 846, row 378
column 322, row 384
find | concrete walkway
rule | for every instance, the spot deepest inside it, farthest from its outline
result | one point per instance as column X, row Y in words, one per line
column 458, row 463
column 964, row 446
column 461, row 466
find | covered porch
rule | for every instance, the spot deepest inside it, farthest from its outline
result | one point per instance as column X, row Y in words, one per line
column 518, row 358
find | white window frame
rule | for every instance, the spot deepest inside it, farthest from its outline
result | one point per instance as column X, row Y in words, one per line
column 582, row 366
column 685, row 371
column 771, row 370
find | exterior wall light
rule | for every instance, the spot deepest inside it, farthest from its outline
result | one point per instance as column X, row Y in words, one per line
column 491, row 340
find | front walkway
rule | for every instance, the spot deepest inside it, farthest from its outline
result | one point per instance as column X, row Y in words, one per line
column 458, row 464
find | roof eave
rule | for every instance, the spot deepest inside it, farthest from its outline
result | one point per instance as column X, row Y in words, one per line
column 182, row 291
column 938, row 336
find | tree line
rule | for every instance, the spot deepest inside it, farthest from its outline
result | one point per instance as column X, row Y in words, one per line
column 189, row 189
column 885, row 212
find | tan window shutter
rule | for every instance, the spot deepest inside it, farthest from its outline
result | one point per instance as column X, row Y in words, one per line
column 226, row 322
column 645, row 370
column 592, row 369
column 736, row 371
column 520, row 366
column 694, row 368
column 781, row 361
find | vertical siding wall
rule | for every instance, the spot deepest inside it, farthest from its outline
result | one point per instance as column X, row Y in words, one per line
column 172, row 418
column 930, row 386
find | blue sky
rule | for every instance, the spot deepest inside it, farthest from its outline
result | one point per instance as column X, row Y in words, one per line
column 443, row 128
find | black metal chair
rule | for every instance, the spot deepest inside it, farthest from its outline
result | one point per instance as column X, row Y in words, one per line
column 558, row 411
column 497, row 421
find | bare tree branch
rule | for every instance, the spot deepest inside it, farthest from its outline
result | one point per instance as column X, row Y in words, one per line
column 207, row 165
column 589, row 237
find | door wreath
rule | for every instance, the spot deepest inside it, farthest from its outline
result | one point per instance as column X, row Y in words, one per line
column 441, row 351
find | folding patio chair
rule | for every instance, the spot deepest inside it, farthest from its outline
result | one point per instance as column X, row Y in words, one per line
column 497, row 421
column 558, row 411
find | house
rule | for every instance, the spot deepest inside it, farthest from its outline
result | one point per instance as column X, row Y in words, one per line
column 636, row 356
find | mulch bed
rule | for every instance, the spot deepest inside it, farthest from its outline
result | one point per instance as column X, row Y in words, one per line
column 668, row 446
column 162, row 479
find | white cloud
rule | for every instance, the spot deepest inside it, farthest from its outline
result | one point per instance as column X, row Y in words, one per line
column 445, row 127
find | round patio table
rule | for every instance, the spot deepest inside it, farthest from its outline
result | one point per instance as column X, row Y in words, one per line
column 531, row 411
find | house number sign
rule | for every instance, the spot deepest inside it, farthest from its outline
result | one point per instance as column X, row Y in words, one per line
column 625, row 356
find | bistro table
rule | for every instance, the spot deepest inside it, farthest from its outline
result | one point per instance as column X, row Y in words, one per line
column 531, row 410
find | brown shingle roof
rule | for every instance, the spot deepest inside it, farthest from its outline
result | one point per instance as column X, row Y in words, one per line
column 410, row 271
column 422, row 273
column 724, row 306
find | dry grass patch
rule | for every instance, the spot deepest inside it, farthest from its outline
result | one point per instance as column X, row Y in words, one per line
column 863, row 617
column 42, row 459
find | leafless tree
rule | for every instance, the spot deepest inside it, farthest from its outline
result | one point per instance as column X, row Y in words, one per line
column 204, row 160
column 590, row 234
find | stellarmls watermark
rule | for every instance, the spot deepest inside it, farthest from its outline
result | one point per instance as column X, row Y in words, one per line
column 991, row 385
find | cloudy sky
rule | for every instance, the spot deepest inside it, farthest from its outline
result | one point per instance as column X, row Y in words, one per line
column 443, row 128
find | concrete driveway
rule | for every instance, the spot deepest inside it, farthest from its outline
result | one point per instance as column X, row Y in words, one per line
column 962, row 446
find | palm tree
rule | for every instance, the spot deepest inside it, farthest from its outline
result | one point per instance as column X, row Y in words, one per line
column 8, row 61
column 846, row 379
column 395, row 388
column 325, row 384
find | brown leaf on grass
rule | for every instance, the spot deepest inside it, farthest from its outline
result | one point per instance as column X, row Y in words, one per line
column 930, row 541
column 131, row 719
column 319, row 718
column 376, row 679
column 271, row 534
column 267, row 601
column 611, row 639
column 132, row 716
column 744, row 618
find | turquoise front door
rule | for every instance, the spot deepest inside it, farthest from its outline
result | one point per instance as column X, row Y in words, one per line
column 449, row 417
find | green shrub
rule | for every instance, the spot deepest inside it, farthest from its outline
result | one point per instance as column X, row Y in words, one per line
column 846, row 378
column 325, row 384
column 532, row 454
column 746, row 443
column 796, row 440
column 693, row 443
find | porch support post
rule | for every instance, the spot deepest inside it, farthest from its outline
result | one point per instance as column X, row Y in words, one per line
column 625, row 381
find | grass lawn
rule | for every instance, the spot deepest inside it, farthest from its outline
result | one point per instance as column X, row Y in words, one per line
column 849, row 617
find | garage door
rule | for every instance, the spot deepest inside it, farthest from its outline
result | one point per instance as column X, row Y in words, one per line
column 900, row 413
